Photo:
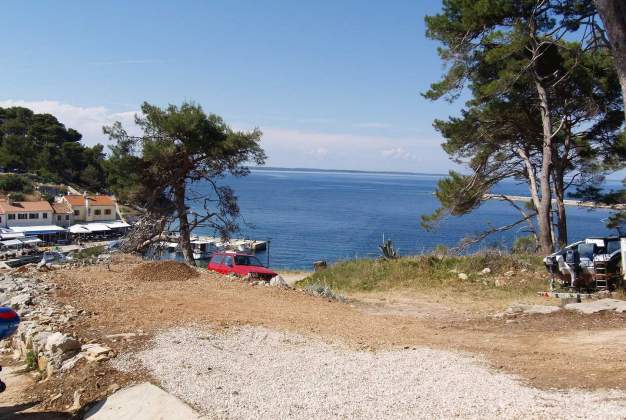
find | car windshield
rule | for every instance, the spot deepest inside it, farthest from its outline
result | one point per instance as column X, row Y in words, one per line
column 247, row 260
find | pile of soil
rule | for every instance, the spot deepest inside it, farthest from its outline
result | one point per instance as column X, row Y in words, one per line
column 161, row 271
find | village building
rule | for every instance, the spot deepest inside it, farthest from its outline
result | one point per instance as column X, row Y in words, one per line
column 25, row 213
column 31, row 219
column 63, row 214
column 91, row 208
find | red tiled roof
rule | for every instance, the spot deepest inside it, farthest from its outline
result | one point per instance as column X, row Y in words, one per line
column 94, row 200
column 61, row 208
column 24, row 206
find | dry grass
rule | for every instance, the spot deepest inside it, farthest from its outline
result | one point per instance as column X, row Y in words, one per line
column 511, row 277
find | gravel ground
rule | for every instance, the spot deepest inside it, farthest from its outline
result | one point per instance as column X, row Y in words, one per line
column 254, row 372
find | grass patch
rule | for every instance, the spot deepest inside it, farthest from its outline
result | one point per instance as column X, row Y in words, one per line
column 512, row 275
column 94, row 251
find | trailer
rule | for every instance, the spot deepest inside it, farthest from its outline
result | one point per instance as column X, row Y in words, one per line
column 591, row 265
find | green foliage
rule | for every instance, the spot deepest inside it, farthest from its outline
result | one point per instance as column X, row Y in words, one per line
column 433, row 272
column 505, row 52
column 93, row 251
column 18, row 196
column 181, row 146
column 40, row 144
column 388, row 251
column 31, row 361
column 525, row 245
column 15, row 183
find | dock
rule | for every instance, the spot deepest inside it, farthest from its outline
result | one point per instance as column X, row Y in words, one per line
column 577, row 203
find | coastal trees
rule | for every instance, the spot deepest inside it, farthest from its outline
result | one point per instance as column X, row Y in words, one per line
column 542, row 109
column 177, row 163
column 40, row 144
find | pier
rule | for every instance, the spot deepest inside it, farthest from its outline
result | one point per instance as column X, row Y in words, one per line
column 577, row 203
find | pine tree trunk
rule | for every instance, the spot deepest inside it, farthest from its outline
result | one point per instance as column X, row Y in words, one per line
column 613, row 14
column 185, row 233
column 559, row 192
column 545, row 203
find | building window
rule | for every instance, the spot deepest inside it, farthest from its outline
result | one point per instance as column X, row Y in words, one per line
column 11, row 217
column 97, row 212
column 44, row 215
column 89, row 212
column 58, row 217
column 22, row 216
column 107, row 211
column 76, row 212
column 33, row 215
column 67, row 217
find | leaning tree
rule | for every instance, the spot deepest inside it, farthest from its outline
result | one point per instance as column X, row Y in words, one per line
column 541, row 107
column 173, row 170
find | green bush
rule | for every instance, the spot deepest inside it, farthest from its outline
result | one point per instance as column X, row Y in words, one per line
column 15, row 183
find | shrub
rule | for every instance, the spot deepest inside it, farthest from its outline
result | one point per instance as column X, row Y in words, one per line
column 15, row 183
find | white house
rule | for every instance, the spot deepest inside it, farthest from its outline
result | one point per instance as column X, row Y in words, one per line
column 25, row 213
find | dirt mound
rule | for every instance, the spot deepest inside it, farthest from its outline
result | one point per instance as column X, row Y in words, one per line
column 162, row 271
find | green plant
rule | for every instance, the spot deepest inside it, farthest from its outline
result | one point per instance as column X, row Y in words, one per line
column 525, row 245
column 89, row 252
column 31, row 361
column 389, row 252
column 15, row 183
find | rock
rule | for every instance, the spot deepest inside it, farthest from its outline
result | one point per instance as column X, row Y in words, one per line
column 76, row 404
column 60, row 342
column 95, row 352
column 320, row 265
column 596, row 306
column 71, row 362
column 498, row 283
column 278, row 281
column 21, row 300
column 141, row 402
column 463, row 276
column 509, row 273
column 532, row 309
column 485, row 271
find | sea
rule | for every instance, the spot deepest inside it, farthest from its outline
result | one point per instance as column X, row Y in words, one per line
column 313, row 215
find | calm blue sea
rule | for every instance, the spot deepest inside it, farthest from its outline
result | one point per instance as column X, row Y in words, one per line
column 315, row 215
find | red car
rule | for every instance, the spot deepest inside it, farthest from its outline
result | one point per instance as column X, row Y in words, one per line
column 240, row 264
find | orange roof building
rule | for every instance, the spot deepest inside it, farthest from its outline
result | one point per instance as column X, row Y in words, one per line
column 91, row 208
column 25, row 213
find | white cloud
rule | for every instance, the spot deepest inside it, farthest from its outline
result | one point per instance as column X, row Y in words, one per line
column 319, row 153
column 86, row 120
column 398, row 153
column 286, row 147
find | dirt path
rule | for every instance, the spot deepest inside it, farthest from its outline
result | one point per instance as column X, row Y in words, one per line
column 14, row 402
column 542, row 350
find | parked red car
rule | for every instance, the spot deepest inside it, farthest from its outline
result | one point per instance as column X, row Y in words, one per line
column 240, row 264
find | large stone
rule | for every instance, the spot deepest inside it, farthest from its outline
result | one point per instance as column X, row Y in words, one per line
column 141, row 402
column 532, row 309
column 278, row 281
column 595, row 306
column 463, row 276
column 20, row 301
column 59, row 342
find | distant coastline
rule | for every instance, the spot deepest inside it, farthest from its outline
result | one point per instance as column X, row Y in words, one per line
column 347, row 171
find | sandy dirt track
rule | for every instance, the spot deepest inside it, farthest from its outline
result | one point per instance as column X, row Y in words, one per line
column 255, row 372
column 541, row 350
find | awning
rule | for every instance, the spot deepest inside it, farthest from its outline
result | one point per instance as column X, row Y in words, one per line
column 117, row 225
column 31, row 240
column 97, row 227
column 78, row 229
column 38, row 230
column 11, row 242
column 6, row 236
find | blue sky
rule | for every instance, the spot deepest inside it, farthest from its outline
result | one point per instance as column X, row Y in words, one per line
column 331, row 84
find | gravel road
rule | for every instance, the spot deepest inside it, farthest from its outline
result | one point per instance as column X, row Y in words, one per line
column 253, row 372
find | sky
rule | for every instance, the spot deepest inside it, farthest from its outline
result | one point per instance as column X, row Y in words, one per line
column 332, row 84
